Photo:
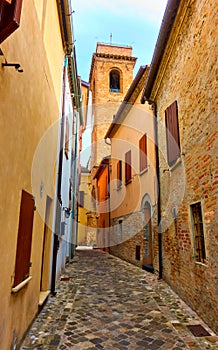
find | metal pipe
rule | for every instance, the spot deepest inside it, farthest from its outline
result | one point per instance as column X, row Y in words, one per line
column 160, row 274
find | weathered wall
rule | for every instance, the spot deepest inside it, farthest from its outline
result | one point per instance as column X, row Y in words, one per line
column 190, row 78
column 29, row 105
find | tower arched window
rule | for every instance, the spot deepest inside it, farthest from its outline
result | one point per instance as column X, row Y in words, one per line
column 114, row 81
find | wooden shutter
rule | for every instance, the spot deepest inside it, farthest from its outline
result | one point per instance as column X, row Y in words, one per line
column 119, row 173
column 172, row 133
column 10, row 12
column 128, row 167
column 24, row 239
column 143, row 153
column 81, row 198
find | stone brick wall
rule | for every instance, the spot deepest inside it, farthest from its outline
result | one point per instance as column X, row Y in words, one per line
column 189, row 76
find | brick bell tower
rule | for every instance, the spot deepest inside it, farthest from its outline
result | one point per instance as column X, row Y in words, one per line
column 110, row 77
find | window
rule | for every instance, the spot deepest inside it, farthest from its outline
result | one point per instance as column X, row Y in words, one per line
column 128, row 168
column 143, row 153
column 81, row 198
column 119, row 174
column 120, row 230
column 137, row 252
column 10, row 12
column 198, row 231
column 24, row 239
column 172, row 133
column 114, row 81
column 66, row 149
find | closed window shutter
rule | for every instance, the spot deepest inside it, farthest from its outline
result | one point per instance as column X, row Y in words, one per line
column 9, row 17
column 119, row 173
column 172, row 133
column 24, row 239
column 81, row 198
column 143, row 152
column 128, row 167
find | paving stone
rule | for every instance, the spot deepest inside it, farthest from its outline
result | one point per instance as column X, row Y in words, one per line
column 110, row 304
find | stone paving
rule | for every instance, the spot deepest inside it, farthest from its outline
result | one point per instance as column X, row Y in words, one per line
column 103, row 302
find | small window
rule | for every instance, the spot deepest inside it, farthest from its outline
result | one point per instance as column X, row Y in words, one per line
column 10, row 12
column 81, row 198
column 119, row 174
column 198, row 231
column 143, row 153
column 120, row 230
column 114, row 81
column 137, row 252
column 128, row 167
column 24, row 238
column 172, row 133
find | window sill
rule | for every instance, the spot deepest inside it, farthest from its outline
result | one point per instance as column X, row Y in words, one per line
column 199, row 263
column 21, row 285
column 174, row 166
column 143, row 171
column 128, row 182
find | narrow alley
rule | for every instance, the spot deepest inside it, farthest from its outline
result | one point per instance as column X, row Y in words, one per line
column 103, row 302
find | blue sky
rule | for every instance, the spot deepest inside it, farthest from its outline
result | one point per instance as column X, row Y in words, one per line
column 131, row 22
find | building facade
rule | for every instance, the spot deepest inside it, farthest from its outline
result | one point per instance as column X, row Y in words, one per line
column 132, row 179
column 181, row 86
column 35, row 64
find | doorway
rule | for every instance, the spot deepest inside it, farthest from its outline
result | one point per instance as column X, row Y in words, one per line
column 147, row 263
column 46, row 254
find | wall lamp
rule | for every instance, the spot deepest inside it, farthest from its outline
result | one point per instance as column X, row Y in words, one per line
column 15, row 65
column 67, row 212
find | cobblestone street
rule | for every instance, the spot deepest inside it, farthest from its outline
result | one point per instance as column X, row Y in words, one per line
column 103, row 302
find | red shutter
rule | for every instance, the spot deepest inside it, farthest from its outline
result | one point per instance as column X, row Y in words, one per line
column 24, row 239
column 143, row 152
column 9, row 17
column 172, row 133
column 119, row 174
column 128, row 167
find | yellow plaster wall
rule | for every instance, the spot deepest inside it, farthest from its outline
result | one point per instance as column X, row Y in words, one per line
column 30, row 103
column 138, row 122
column 82, row 217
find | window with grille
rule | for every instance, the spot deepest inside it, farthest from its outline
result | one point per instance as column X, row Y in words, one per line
column 172, row 133
column 128, row 167
column 120, row 230
column 10, row 12
column 24, row 238
column 143, row 153
column 198, row 231
column 119, row 174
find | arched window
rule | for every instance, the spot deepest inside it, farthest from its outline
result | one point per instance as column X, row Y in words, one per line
column 114, row 81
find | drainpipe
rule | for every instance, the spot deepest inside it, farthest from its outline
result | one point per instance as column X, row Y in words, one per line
column 109, row 203
column 160, row 274
column 59, row 179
